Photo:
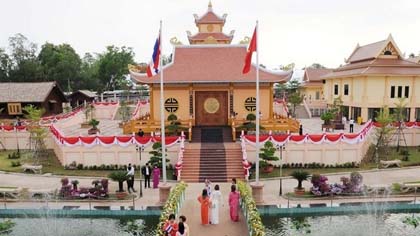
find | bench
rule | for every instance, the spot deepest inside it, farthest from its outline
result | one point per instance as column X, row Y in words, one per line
column 409, row 187
column 386, row 164
column 378, row 189
column 12, row 193
column 32, row 168
column 41, row 193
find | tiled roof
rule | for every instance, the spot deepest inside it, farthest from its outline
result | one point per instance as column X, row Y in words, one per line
column 210, row 64
column 414, row 59
column 87, row 93
column 371, row 51
column 210, row 17
column 25, row 92
column 217, row 36
column 366, row 52
column 312, row 74
column 377, row 67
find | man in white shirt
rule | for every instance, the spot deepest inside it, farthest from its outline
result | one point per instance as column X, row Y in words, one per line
column 130, row 181
column 351, row 122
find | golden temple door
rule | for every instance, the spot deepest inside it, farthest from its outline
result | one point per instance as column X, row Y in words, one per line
column 211, row 108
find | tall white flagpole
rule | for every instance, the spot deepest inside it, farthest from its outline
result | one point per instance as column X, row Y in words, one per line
column 162, row 108
column 257, row 114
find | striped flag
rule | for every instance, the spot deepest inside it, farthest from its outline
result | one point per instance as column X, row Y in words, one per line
column 153, row 67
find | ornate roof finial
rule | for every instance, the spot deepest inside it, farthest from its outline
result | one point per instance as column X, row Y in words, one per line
column 210, row 6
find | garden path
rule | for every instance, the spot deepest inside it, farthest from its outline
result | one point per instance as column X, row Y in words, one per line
column 191, row 209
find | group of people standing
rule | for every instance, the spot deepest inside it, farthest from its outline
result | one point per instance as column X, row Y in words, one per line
column 146, row 172
column 171, row 228
column 211, row 201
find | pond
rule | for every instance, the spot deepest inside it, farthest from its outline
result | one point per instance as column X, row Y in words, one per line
column 51, row 226
column 345, row 225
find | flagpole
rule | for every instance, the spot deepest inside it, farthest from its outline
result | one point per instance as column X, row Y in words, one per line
column 257, row 112
column 162, row 108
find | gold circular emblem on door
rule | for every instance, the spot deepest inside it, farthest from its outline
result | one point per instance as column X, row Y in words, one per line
column 211, row 105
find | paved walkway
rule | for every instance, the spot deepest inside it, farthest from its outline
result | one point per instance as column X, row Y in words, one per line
column 191, row 209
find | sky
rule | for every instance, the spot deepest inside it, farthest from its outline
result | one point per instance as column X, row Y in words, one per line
column 299, row 31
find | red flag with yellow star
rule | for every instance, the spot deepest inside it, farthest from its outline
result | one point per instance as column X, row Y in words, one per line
column 251, row 49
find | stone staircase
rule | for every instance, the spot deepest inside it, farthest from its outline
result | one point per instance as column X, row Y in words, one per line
column 212, row 155
column 301, row 112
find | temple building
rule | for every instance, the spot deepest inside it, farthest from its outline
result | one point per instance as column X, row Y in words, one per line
column 204, row 81
column 375, row 75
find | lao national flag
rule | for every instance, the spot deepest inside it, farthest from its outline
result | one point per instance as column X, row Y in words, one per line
column 153, row 67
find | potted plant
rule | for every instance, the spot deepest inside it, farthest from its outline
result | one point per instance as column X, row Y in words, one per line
column 94, row 123
column 300, row 176
column 120, row 177
column 327, row 117
column 267, row 154
column 75, row 183
column 88, row 116
column 249, row 124
column 174, row 125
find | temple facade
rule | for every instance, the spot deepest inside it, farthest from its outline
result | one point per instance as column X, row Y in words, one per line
column 374, row 76
column 204, row 81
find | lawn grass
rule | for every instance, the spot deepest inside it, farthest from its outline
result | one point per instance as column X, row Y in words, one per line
column 50, row 164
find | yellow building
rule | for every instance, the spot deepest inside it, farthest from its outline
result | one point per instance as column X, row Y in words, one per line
column 313, row 92
column 375, row 75
column 204, row 81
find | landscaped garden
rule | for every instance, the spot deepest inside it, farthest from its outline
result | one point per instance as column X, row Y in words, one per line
column 50, row 164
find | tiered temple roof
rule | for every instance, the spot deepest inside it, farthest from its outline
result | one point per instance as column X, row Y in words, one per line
column 380, row 58
column 210, row 29
column 210, row 64
column 313, row 77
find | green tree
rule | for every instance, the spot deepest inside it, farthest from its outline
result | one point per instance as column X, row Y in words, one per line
column 267, row 154
column 317, row 66
column 5, row 66
column 287, row 67
column 295, row 99
column 37, row 132
column 156, row 155
column 60, row 63
column 113, row 67
column 89, row 73
column 24, row 64
column 384, row 131
column 293, row 86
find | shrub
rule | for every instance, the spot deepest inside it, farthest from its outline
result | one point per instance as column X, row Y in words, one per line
column 300, row 176
column 13, row 155
column 15, row 163
column 80, row 166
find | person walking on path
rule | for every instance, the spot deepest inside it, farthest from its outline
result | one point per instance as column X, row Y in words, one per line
column 234, row 204
column 130, row 180
column 216, row 200
column 351, row 122
column 156, row 176
column 183, row 219
column 146, row 171
column 205, row 202
column 170, row 227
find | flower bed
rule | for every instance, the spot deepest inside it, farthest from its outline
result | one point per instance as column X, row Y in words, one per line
column 172, row 205
column 249, row 208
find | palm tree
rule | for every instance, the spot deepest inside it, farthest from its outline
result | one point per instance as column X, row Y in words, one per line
column 300, row 176
column 120, row 177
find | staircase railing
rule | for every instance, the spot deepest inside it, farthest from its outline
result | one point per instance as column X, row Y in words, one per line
column 180, row 161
